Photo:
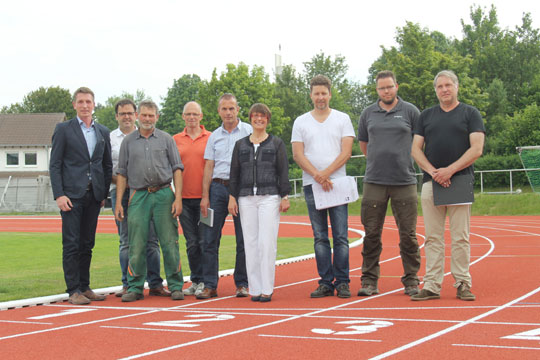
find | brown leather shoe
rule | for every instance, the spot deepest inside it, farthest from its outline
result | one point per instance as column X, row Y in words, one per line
column 93, row 296
column 78, row 299
column 242, row 291
column 207, row 293
column 159, row 291
column 120, row 293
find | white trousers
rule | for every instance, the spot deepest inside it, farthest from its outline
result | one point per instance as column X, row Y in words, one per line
column 259, row 215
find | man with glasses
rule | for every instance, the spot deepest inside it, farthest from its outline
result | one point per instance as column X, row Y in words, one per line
column 191, row 144
column 385, row 136
column 126, row 115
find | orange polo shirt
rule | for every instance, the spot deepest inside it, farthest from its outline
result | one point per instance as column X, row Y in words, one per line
column 192, row 155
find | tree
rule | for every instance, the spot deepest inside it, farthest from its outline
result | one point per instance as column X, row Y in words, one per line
column 521, row 130
column 415, row 63
column 347, row 96
column 249, row 86
column 184, row 89
column 511, row 56
column 105, row 115
column 52, row 99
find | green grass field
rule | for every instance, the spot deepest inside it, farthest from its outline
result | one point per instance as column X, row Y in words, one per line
column 31, row 263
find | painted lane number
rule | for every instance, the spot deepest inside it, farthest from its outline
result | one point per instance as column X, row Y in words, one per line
column 193, row 321
column 357, row 327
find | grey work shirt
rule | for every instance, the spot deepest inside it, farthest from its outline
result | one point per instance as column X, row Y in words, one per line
column 389, row 139
column 148, row 162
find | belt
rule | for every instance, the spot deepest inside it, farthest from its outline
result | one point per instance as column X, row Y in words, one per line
column 221, row 181
column 154, row 188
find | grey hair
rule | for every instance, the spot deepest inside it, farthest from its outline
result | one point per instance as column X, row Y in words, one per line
column 446, row 73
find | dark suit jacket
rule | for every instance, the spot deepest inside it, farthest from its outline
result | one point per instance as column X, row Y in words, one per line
column 70, row 162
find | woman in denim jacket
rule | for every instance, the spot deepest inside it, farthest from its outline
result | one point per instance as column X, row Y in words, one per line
column 259, row 180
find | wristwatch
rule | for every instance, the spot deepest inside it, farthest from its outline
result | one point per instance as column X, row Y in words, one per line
column 286, row 197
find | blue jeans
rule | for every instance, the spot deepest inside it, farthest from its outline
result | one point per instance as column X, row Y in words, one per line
column 219, row 201
column 192, row 229
column 152, row 250
column 339, row 268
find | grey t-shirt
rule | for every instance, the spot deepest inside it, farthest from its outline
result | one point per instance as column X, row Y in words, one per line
column 389, row 137
column 148, row 162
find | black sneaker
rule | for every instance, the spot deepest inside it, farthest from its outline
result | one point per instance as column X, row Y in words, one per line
column 368, row 290
column 322, row 291
column 343, row 291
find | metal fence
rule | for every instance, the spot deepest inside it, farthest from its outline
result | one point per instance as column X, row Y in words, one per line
column 27, row 195
column 510, row 181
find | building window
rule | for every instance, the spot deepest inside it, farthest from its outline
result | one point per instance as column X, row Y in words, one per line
column 12, row 159
column 30, row 159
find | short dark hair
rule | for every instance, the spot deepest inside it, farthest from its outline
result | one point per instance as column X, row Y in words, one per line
column 320, row 80
column 124, row 102
column 227, row 96
column 83, row 90
column 385, row 74
column 261, row 109
column 149, row 104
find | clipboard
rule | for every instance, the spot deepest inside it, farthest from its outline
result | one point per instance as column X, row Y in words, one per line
column 344, row 191
column 460, row 191
column 209, row 218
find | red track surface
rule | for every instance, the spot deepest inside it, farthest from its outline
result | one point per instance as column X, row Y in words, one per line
column 504, row 322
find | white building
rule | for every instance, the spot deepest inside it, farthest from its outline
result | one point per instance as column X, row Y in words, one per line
column 25, row 143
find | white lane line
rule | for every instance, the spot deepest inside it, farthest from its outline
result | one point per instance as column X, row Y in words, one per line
column 499, row 347
column 63, row 313
column 149, row 329
column 25, row 322
column 74, row 325
column 317, row 338
column 455, row 327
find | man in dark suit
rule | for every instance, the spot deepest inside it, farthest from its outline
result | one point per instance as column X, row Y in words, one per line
column 80, row 170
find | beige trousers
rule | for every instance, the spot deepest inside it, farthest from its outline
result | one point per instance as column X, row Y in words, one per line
column 434, row 219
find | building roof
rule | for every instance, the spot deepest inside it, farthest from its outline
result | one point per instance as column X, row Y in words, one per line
column 28, row 129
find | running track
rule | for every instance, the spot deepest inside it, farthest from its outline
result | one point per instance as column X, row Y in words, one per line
column 504, row 322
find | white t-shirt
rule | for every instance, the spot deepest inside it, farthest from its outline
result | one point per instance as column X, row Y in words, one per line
column 322, row 141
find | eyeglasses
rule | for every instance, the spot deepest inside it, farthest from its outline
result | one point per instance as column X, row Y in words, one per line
column 126, row 113
column 386, row 88
column 192, row 114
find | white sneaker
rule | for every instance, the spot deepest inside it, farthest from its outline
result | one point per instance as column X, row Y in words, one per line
column 190, row 290
column 200, row 288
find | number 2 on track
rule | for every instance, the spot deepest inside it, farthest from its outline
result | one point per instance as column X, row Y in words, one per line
column 194, row 320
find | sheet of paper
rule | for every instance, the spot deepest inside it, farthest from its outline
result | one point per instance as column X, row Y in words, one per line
column 344, row 191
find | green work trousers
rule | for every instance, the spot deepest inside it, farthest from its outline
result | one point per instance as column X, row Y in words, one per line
column 156, row 207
